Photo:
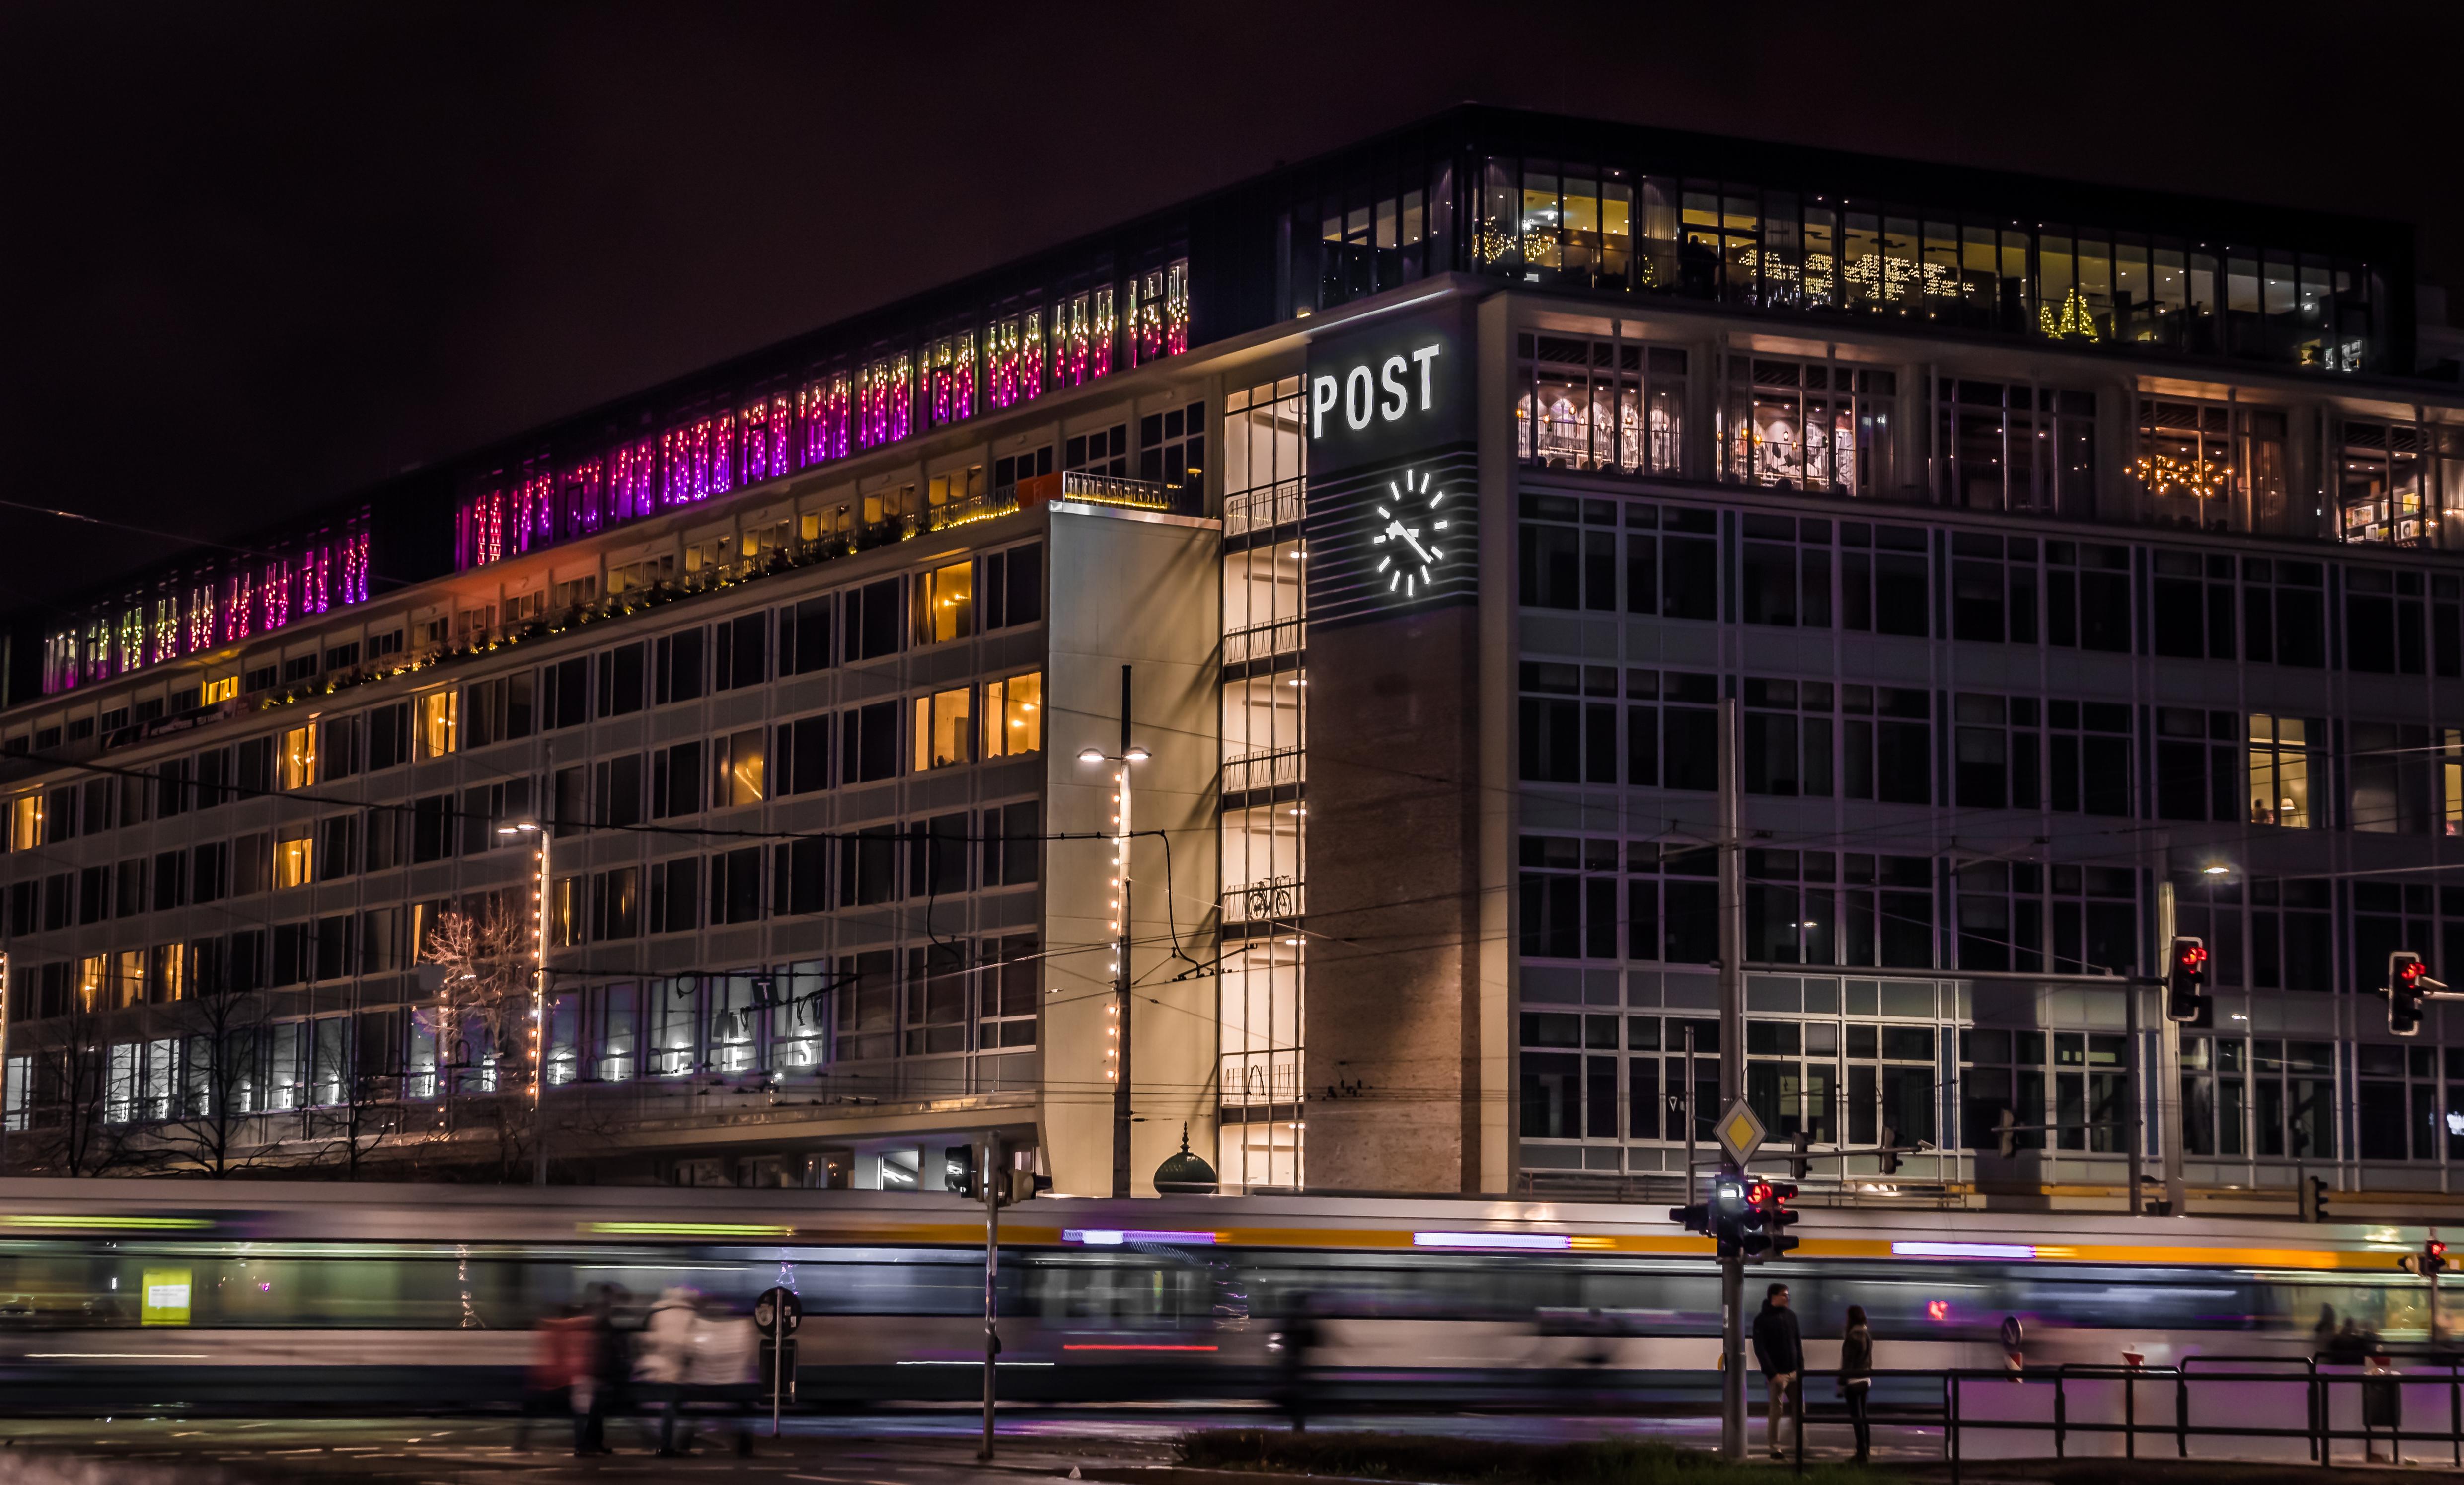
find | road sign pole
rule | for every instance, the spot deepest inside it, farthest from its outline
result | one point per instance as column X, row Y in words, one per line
column 1733, row 1062
column 778, row 1373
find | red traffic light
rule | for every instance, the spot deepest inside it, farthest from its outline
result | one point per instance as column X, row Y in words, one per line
column 2410, row 972
column 1758, row 1193
column 2194, row 956
column 2437, row 1249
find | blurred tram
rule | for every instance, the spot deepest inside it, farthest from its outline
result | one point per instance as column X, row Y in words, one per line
column 370, row 1298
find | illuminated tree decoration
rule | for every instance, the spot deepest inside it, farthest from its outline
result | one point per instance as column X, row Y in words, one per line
column 581, row 495
column 2074, row 323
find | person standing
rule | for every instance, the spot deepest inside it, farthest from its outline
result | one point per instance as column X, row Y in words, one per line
column 1857, row 1377
column 666, row 1355
column 1780, row 1352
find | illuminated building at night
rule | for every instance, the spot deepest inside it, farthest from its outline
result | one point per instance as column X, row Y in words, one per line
column 2058, row 545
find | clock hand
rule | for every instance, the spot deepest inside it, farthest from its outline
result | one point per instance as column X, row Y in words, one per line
column 1410, row 537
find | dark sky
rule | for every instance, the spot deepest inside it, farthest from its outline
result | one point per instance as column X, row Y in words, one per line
column 257, row 256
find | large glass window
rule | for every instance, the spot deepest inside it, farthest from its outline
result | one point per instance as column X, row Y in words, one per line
column 943, row 735
column 945, row 605
column 1014, row 715
column 2379, row 483
column 1808, row 425
column 2011, row 447
column 1606, row 404
column 2281, row 769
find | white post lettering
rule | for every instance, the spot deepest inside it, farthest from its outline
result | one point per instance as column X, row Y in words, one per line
column 1397, row 402
column 1322, row 395
column 1427, row 356
column 1358, row 394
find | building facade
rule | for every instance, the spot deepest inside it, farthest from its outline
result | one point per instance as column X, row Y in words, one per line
column 2065, row 552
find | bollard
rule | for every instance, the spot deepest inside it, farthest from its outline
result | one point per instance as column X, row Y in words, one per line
column 2061, row 1412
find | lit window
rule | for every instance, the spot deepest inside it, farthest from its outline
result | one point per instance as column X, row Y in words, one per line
column 1014, row 715
column 216, row 692
column 294, row 859
column 298, row 762
column 90, row 977
column 129, row 986
column 439, row 722
column 25, row 822
column 941, row 732
column 170, row 972
column 945, row 605
column 741, row 760
column 2451, row 779
column 2279, row 771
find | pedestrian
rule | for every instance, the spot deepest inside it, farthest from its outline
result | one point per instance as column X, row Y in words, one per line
column 598, row 1372
column 546, row 1388
column 666, row 1354
column 1780, row 1352
column 1298, row 1340
column 1857, row 1377
column 2323, row 1336
column 720, row 1372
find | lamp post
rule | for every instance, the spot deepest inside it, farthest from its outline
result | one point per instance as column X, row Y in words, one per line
column 1120, row 1030
column 538, row 992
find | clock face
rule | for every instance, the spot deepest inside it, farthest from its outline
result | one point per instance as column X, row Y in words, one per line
column 1412, row 536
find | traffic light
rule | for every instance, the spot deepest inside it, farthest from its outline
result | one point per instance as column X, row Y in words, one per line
column 2428, row 1263
column 1730, row 1210
column 2314, row 1200
column 2006, row 1136
column 2186, row 982
column 1890, row 1153
column 1753, row 1233
column 1777, row 1218
column 2407, row 989
column 1796, row 1160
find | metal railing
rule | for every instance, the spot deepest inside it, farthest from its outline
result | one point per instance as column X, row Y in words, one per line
column 1264, row 510
column 1264, row 771
column 1257, row 642
column 2382, row 1405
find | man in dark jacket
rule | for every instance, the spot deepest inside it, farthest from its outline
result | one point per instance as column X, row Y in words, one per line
column 1780, row 1353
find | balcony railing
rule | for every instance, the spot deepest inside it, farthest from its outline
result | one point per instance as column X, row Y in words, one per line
column 1259, row 641
column 1264, row 769
column 1262, row 510
column 1273, row 899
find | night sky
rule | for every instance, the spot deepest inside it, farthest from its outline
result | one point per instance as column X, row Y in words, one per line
column 256, row 257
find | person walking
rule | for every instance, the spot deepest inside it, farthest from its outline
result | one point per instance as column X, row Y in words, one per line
column 1780, row 1352
column 545, row 1391
column 666, row 1356
column 598, row 1372
column 1857, row 1377
column 721, row 1374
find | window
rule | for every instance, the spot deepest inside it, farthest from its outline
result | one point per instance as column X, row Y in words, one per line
column 1992, row 601
column 1676, row 572
column 1787, row 754
column 735, row 886
column 25, row 822
column 679, row 665
column 2280, row 771
column 615, row 904
column 1569, row 899
column 1887, row 750
column 743, row 656
column 1673, row 744
column 868, row 866
column 1007, row 1001
column 938, row 855
column 2096, row 919
column 1809, row 426
column 1014, row 716
column 1997, row 753
column 1171, row 447
column 737, row 769
column 619, row 681
column 2087, row 595
column 1887, row 591
column 1562, row 740
column 2393, row 778
column 253, row 861
column 800, row 876
column 866, row 1016
column 339, row 756
column 676, row 781
column 1563, row 566
column 953, row 494
column 1265, row 863
column 2283, row 611
column 2383, row 621
column 2090, row 748
column 2379, row 482
column 945, row 603
column 1783, row 584
column 497, row 711
column 565, row 693
column 2212, row 467
column 295, row 861
column 338, row 846
column 1013, row 587
column 804, row 636
column 675, row 895
column 2294, row 1099
column 388, row 735
column 295, row 758
column 2009, row 447
column 431, row 827
column 94, row 895
column 616, row 791
column 871, row 746
column 1605, row 405
column 1013, row 844
column 438, row 722
column 802, row 765
column 1104, row 451
column 128, row 888
column 2197, row 772
column 872, row 620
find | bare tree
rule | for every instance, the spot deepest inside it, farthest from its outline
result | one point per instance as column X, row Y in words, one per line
column 216, row 1124
column 482, row 1021
column 68, row 1107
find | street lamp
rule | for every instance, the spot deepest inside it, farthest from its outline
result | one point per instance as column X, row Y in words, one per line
column 1118, row 1032
column 539, row 989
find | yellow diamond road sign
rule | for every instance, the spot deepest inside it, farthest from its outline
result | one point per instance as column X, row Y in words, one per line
column 1740, row 1132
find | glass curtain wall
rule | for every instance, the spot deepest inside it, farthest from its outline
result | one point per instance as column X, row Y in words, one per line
column 1264, row 790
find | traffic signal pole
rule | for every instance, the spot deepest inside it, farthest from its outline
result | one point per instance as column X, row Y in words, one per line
column 2169, row 1060
column 1732, row 1063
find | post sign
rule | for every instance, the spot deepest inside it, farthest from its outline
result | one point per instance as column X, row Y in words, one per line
column 1393, row 517
column 1740, row 1130
column 164, row 1298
